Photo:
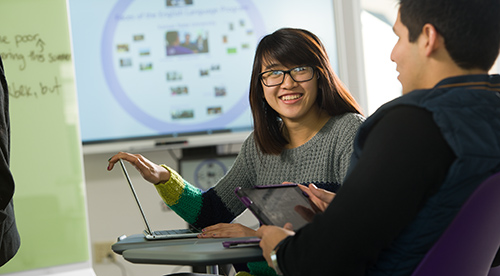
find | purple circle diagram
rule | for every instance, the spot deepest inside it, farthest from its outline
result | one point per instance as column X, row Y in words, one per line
column 142, row 113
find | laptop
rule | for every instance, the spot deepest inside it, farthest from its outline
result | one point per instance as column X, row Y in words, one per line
column 149, row 234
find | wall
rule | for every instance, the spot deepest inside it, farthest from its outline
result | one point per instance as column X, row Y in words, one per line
column 113, row 212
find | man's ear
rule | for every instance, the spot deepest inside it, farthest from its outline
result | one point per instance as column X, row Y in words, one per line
column 431, row 39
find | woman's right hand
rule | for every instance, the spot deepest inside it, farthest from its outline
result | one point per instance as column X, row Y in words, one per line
column 150, row 171
column 227, row 230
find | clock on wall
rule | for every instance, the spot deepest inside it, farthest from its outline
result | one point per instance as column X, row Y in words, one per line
column 205, row 172
column 208, row 172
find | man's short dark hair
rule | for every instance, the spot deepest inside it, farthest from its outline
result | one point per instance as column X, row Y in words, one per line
column 471, row 28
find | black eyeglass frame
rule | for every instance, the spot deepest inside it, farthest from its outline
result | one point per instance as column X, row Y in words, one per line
column 284, row 74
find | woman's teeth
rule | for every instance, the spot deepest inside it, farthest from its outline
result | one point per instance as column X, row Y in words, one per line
column 290, row 97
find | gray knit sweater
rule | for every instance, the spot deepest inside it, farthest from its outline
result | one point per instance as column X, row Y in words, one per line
column 323, row 160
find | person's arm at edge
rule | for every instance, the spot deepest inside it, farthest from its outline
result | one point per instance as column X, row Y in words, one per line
column 10, row 240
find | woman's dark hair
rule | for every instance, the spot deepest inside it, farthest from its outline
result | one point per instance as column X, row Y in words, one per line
column 292, row 47
column 470, row 28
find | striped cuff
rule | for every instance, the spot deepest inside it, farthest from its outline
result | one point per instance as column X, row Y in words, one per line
column 182, row 197
column 171, row 190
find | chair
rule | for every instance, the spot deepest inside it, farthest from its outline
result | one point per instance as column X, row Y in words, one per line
column 469, row 244
column 495, row 271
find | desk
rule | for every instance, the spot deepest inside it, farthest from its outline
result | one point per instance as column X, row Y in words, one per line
column 138, row 241
column 192, row 251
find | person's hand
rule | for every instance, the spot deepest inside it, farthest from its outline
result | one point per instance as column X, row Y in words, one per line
column 227, row 230
column 320, row 197
column 270, row 236
column 319, row 200
column 150, row 171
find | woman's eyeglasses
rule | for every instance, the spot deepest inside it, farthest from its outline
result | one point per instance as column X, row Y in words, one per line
column 276, row 77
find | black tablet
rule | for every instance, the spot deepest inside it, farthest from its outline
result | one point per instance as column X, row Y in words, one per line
column 275, row 204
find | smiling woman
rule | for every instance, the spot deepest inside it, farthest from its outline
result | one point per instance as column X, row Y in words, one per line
column 305, row 121
column 294, row 100
column 282, row 52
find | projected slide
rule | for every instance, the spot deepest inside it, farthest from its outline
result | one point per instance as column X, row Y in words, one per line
column 148, row 67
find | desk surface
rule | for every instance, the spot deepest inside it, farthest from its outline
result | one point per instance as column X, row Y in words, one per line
column 197, row 252
column 191, row 251
column 139, row 241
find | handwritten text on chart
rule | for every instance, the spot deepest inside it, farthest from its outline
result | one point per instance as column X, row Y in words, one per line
column 26, row 49
column 29, row 48
column 42, row 89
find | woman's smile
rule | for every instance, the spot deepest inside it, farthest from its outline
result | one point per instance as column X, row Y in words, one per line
column 290, row 98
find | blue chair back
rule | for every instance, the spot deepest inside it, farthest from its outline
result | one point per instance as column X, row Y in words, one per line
column 469, row 244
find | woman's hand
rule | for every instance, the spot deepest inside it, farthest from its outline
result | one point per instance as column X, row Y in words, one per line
column 227, row 230
column 270, row 237
column 320, row 197
column 150, row 171
column 319, row 200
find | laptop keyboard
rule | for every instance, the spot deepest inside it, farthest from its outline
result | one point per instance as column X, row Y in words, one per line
column 175, row 232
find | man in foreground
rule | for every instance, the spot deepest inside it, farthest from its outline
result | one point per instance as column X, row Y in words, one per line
column 418, row 158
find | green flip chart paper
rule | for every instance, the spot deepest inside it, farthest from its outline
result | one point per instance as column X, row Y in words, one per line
column 46, row 159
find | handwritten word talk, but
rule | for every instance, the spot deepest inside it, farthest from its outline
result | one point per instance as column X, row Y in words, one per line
column 17, row 91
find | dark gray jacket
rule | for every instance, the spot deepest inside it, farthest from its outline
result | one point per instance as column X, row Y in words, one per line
column 467, row 111
column 9, row 237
